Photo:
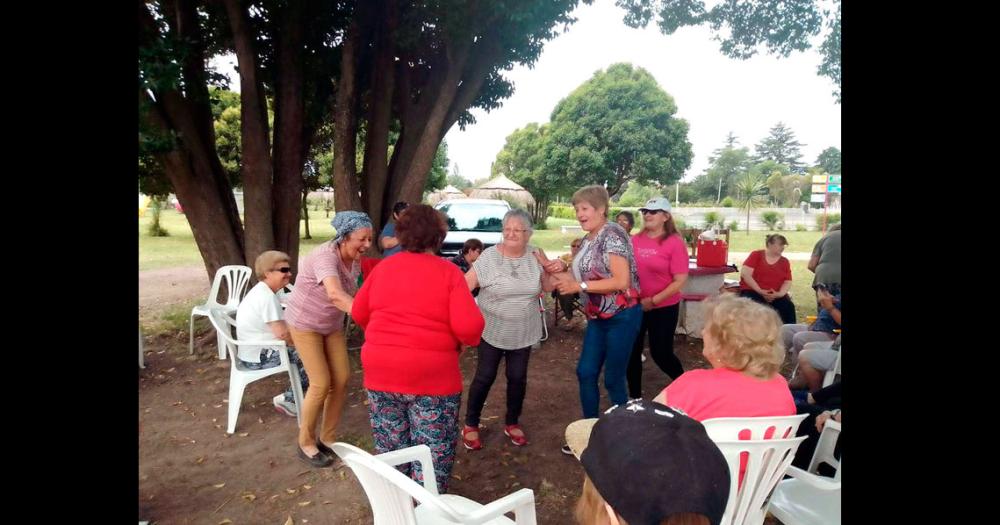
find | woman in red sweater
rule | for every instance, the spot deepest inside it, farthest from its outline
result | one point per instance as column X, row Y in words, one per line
column 766, row 278
column 417, row 313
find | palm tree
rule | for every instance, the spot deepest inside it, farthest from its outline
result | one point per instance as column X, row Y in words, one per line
column 748, row 189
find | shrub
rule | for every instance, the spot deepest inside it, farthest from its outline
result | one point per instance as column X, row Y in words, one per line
column 831, row 218
column 771, row 219
column 561, row 211
column 713, row 218
column 801, row 228
column 728, row 202
column 734, row 226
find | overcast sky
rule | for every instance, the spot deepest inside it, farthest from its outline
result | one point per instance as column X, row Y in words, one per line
column 713, row 93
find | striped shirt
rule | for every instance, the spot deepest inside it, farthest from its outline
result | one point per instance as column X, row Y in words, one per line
column 508, row 298
column 309, row 308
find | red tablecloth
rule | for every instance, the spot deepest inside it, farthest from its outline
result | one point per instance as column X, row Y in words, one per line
column 695, row 270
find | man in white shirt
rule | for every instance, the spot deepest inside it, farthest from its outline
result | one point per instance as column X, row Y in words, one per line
column 260, row 318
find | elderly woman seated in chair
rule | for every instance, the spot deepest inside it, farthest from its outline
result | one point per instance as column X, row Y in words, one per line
column 259, row 318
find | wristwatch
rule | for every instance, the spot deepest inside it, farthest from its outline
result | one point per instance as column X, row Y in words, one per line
column 583, row 285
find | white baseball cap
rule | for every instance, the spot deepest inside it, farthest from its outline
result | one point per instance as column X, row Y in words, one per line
column 659, row 203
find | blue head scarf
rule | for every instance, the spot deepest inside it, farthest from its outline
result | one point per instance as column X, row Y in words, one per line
column 347, row 221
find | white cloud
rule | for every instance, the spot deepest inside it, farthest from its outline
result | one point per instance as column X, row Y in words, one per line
column 715, row 94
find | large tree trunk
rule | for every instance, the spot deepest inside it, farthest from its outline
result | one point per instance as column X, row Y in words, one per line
column 305, row 213
column 345, row 179
column 291, row 142
column 193, row 167
column 376, row 166
column 426, row 122
column 256, row 148
column 208, row 201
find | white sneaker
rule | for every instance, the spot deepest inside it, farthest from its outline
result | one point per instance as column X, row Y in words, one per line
column 287, row 408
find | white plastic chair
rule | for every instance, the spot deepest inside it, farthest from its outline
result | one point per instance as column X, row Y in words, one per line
column 807, row 498
column 236, row 277
column 240, row 377
column 767, row 461
column 832, row 374
column 391, row 493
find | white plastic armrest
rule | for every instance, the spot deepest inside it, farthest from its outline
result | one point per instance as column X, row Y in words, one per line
column 419, row 453
column 819, row 482
column 506, row 504
column 274, row 343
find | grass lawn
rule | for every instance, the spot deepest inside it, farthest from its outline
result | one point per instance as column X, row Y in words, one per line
column 179, row 248
column 739, row 241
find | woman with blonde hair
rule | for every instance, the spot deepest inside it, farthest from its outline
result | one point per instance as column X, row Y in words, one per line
column 604, row 273
column 742, row 342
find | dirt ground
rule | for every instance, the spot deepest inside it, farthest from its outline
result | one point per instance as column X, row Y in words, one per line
column 191, row 471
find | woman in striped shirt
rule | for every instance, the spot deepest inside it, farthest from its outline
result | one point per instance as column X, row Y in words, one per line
column 510, row 279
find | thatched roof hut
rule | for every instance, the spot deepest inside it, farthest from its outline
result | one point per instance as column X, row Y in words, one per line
column 446, row 193
column 503, row 188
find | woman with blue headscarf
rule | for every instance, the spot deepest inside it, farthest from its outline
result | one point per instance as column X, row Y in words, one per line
column 324, row 291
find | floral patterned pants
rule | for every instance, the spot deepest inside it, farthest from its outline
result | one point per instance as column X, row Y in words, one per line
column 404, row 420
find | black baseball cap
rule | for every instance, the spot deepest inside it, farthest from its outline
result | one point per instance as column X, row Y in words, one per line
column 650, row 461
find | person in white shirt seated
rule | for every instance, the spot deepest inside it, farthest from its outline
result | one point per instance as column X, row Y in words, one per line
column 260, row 318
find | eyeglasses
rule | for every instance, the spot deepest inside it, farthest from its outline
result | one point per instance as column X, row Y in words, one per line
column 283, row 269
column 577, row 245
column 511, row 230
column 650, row 212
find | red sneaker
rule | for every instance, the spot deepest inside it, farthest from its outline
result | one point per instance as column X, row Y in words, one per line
column 474, row 443
column 516, row 435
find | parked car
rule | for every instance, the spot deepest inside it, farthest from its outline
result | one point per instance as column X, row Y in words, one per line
column 472, row 218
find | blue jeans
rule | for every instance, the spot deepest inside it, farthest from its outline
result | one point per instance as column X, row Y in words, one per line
column 607, row 342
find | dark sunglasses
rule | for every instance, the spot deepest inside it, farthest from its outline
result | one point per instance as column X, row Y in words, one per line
column 283, row 269
column 650, row 212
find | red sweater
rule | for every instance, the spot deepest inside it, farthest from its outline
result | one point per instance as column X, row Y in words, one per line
column 415, row 309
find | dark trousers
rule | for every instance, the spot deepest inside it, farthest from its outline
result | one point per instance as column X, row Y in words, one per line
column 807, row 448
column 784, row 306
column 486, row 372
column 660, row 323
column 566, row 303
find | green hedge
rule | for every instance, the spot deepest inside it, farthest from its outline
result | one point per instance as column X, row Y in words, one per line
column 831, row 218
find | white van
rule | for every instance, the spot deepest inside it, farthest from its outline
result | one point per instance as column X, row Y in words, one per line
column 472, row 219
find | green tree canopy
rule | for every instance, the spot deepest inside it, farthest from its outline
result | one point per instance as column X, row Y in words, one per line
column 781, row 147
column 829, row 160
column 742, row 27
column 618, row 126
column 522, row 160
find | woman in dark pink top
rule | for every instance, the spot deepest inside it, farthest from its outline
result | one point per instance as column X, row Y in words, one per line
column 662, row 259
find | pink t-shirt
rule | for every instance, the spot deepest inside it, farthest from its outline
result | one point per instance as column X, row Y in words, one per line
column 723, row 392
column 658, row 264
column 309, row 309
